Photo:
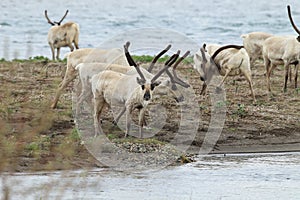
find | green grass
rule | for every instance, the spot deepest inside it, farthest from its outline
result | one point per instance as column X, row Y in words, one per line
column 148, row 58
column 33, row 59
column 75, row 135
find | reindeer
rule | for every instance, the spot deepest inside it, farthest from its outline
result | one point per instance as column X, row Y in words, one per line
column 130, row 91
column 87, row 55
column 229, row 60
column 62, row 35
column 87, row 70
column 253, row 43
column 284, row 50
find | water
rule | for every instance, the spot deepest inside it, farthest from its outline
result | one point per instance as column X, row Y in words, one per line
column 23, row 27
column 259, row 176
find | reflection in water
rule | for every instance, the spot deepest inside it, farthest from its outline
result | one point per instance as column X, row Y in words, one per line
column 246, row 176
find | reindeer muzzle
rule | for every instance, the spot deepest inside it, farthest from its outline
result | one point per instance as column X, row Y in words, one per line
column 147, row 96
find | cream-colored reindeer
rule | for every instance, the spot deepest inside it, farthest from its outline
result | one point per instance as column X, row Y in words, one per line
column 229, row 60
column 87, row 55
column 284, row 50
column 253, row 43
column 62, row 35
column 129, row 91
column 87, row 70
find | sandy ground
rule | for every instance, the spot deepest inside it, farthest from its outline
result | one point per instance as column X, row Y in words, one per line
column 35, row 137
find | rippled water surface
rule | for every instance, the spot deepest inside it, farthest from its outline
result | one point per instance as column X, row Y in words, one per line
column 23, row 27
column 259, row 176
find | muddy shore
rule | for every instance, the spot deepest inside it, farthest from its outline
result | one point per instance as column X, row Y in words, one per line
column 35, row 137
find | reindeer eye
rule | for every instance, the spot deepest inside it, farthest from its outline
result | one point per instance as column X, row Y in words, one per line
column 143, row 87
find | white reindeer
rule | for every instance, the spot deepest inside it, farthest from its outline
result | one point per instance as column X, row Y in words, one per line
column 62, row 35
column 87, row 55
column 229, row 60
column 253, row 43
column 284, row 50
column 111, row 88
column 167, row 87
column 278, row 50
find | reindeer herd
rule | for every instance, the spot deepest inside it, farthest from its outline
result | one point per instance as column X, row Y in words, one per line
column 111, row 77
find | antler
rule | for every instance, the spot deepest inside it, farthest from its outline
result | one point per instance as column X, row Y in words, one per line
column 176, row 79
column 225, row 47
column 49, row 21
column 168, row 64
column 202, row 50
column 291, row 19
column 131, row 62
column 58, row 23
column 157, row 57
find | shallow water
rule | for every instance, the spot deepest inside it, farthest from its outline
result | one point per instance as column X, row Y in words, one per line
column 23, row 27
column 246, row 176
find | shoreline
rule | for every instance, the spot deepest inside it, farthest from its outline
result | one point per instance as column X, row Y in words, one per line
column 37, row 138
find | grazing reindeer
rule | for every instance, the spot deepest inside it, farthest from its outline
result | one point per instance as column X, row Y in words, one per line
column 62, row 35
column 229, row 60
column 130, row 91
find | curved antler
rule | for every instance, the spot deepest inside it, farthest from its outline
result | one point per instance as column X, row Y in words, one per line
column 225, row 47
column 291, row 20
column 176, row 79
column 131, row 62
column 58, row 23
column 49, row 21
column 157, row 57
column 168, row 64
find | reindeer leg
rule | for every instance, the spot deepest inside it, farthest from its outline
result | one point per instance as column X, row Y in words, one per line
column 98, row 106
column 269, row 74
column 141, row 121
column 115, row 122
column 290, row 73
column 52, row 52
column 296, row 74
column 222, row 82
column 287, row 70
column 203, row 90
column 129, row 110
column 71, row 47
column 84, row 95
column 247, row 74
column 67, row 79
column 58, row 52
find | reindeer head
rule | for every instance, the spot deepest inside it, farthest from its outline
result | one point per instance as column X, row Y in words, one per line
column 54, row 22
column 166, row 87
column 292, row 22
column 205, row 65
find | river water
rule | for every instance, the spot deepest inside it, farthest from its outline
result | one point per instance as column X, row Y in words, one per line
column 23, row 27
column 259, row 176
